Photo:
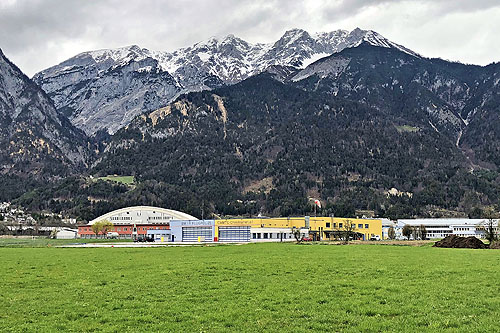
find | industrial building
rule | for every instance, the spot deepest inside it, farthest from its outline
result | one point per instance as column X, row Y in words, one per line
column 130, row 222
column 437, row 228
column 166, row 225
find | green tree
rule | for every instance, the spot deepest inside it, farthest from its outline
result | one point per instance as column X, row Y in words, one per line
column 475, row 213
column 102, row 227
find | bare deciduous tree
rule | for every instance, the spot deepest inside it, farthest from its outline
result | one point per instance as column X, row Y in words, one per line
column 296, row 234
column 347, row 230
column 490, row 226
column 423, row 232
column 407, row 231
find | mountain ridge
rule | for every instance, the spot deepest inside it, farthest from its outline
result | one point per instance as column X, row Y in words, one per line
column 84, row 86
column 36, row 140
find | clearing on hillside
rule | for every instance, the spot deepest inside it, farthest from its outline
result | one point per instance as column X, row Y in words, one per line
column 127, row 180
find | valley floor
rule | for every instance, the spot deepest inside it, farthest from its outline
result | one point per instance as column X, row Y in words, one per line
column 253, row 287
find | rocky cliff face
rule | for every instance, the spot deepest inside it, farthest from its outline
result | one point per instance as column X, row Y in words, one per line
column 34, row 137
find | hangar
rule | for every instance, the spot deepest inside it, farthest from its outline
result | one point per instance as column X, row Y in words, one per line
column 130, row 222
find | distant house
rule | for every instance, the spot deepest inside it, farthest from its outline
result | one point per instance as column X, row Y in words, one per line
column 67, row 234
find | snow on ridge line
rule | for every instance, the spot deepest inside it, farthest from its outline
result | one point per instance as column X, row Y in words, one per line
column 376, row 39
column 253, row 54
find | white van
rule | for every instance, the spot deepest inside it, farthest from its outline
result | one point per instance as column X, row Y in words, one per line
column 112, row 235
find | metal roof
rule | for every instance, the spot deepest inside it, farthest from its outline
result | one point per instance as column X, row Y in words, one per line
column 176, row 215
column 443, row 221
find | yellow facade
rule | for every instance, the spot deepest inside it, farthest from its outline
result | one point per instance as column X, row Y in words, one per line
column 322, row 226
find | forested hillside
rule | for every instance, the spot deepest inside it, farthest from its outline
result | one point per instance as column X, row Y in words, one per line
column 368, row 130
column 262, row 146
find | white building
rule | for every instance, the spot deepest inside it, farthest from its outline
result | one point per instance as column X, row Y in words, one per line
column 440, row 228
column 131, row 222
column 386, row 225
column 275, row 234
column 67, row 233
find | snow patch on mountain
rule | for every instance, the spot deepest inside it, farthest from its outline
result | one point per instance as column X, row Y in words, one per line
column 313, row 58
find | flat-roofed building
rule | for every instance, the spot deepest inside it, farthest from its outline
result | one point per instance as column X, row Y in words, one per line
column 442, row 227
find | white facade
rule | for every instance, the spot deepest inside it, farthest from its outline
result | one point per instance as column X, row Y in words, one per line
column 440, row 228
column 143, row 215
column 386, row 225
column 66, row 234
column 275, row 234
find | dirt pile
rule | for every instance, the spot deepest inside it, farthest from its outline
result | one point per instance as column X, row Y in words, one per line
column 454, row 241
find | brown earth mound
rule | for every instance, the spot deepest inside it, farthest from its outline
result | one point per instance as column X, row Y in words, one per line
column 461, row 242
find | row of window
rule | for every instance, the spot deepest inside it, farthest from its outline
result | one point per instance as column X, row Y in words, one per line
column 269, row 235
column 341, row 225
column 129, row 228
column 327, row 225
column 120, row 218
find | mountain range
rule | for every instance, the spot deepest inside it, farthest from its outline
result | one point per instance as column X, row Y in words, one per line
column 106, row 89
column 229, row 127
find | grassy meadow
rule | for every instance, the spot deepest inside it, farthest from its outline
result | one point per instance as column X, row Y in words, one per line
column 254, row 287
column 127, row 180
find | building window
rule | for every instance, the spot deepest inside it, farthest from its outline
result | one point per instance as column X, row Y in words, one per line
column 254, row 236
column 335, row 225
column 340, row 225
column 367, row 226
column 258, row 235
column 360, row 226
column 327, row 224
column 265, row 235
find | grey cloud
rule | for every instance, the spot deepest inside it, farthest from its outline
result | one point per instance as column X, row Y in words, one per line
column 36, row 34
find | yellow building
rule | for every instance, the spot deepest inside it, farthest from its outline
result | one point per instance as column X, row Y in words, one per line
column 320, row 228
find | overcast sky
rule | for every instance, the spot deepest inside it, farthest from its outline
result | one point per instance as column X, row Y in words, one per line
column 36, row 34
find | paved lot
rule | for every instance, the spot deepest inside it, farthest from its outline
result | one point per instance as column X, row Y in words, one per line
column 130, row 244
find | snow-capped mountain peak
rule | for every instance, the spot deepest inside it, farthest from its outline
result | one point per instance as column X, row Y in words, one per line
column 371, row 37
column 204, row 65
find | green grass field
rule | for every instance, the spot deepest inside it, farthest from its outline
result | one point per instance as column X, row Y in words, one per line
column 254, row 287
column 127, row 180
